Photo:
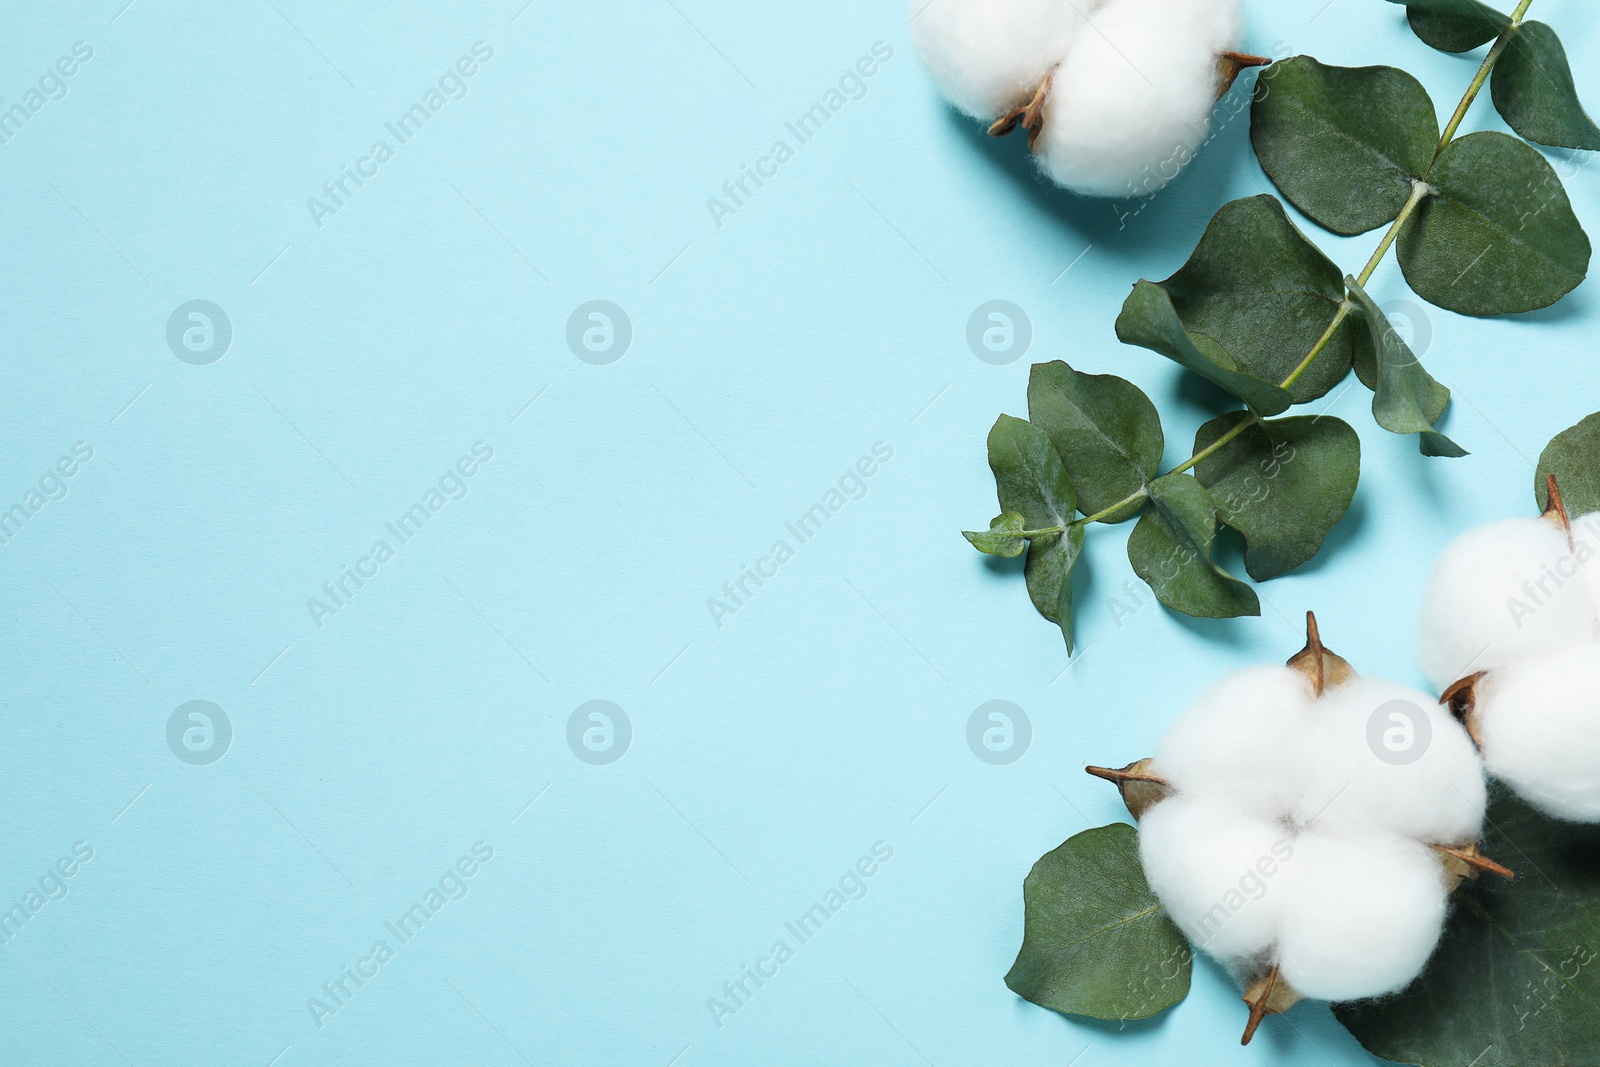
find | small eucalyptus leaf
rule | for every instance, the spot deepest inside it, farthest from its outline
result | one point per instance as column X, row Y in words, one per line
column 1106, row 430
column 1051, row 561
column 1534, row 92
column 1282, row 483
column 1454, row 25
column 1497, row 234
column 1407, row 400
column 1003, row 537
column 1170, row 548
column 1516, row 978
column 1149, row 320
column 1096, row 941
column 1028, row 474
column 1343, row 143
column 1573, row 456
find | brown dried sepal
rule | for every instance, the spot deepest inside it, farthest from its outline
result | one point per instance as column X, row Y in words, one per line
column 1555, row 510
column 1232, row 64
column 1030, row 116
column 1267, row 995
column 1324, row 669
column 1462, row 699
column 1468, row 862
column 1141, row 789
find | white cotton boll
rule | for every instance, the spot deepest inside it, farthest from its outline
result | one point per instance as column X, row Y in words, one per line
column 1213, row 869
column 1586, row 551
column 1389, row 759
column 1499, row 593
column 1359, row 916
column 1242, row 741
column 1539, row 724
column 989, row 56
column 1132, row 102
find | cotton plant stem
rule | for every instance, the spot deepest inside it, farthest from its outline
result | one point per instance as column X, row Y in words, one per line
column 1419, row 192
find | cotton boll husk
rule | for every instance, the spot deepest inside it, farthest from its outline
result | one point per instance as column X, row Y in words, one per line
column 1213, row 869
column 1539, row 725
column 1357, row 779
column 1132, row 101
column 1484, row 608
column 1359, row 916
column 1242, row 741
column 989, row 56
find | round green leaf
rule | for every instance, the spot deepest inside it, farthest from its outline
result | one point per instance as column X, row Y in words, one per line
column 1573, row 456
column 1028, row 474
column 1003, row 538
column 1170, row 548
column 1405, row 397
column 1515, row 981
column 1534, row 92
column 1106, row 430
column 1095, row 939
column 1454, row 25
column 1283, row 484
column 1497, row 236
column 1256, row 289
column 1344, row 144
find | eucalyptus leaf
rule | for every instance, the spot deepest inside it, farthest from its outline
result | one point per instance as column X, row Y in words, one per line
column 1515, row 981
column 1149, row 320
column 1344, row 144
column 1573, row 456
column 1029, row 476
column 1258, row 291
column 1095, row 939
column 1051, row 561
column 1170, row 548
column 1534, row 92
column 1407, row 400
column 1454, row 25
column 1282, row 483
column 1105, row 429
column 1003, row 537
column 1497, row 235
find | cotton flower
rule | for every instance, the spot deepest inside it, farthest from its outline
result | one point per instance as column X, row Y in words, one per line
column 1116, row 95
column 1538, row 722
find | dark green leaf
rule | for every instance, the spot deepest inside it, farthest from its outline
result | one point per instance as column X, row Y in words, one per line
column 1534, row 91
column 1170, row 549
column 1002, row 538
column 1051, row 561
column 1407, row 399
column 1498, row 235
column 1028, row 474
column 1344, row 144
column 1516, row 979
column 1454, row 25
column 1095, row 939
column 1573, row 456
column 1283, row 484
column 1258, row 295
column 1106, row 430
column 1149, row 320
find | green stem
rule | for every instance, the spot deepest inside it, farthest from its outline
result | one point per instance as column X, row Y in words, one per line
column 1419, row 191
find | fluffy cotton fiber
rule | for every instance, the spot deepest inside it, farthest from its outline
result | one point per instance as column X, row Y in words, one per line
column 1241, row 741
column 1212, row 868
column 989, row 56
column 1132, row 102
column 1539, row 724
column 1359, row 916
column 1389, row 759
column 1497, row 594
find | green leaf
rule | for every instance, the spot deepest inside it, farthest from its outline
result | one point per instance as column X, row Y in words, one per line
column 1051, row 561
column 1407, row 399
column 1515, row 981
column 1003, row 537
column 1283, row 484
column 1344, row 144
column 1497, row 236
column 1105, row 429
column 1170, row 549
column 1149, row 320
column 1095, row 939
column 1028, row 474
column 1256, row 296
column 1534, row 92
column 1454, row 25
column 1573, row 456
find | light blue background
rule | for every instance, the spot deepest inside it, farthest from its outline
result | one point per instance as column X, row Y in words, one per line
column 768, row 354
